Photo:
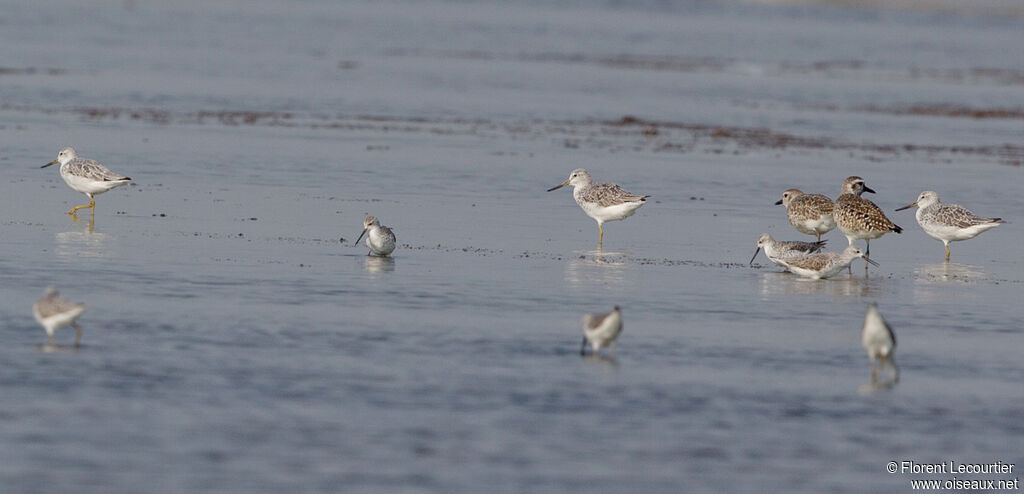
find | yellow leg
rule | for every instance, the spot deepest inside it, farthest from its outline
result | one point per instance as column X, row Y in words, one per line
column 947, row 252
column 600, row 237
column 92, row 204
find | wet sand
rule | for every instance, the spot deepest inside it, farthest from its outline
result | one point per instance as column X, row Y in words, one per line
column 237, row 341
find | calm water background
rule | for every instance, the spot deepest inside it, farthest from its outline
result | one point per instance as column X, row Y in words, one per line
column 233, row 344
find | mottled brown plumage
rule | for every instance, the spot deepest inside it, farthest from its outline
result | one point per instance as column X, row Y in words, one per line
column 859, row 218
column 808, row 213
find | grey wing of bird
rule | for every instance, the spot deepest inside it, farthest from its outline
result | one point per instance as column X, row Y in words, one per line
column 593, row 321
column 93, row 170
column 814, row 262
column 50, row 306
column 609, row 195
column 958, row 216
column 795, row 247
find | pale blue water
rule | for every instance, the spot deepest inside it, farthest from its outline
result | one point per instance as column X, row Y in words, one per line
column 233, row 344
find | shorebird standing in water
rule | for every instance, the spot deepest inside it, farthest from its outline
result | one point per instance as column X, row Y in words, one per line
column 601, row 201
column 878, row 339
column 948, row 222
column 601, row 330
column 86, row 176
column 859, row 218
column 379, row 239
column 808, row 213
column 53, row 312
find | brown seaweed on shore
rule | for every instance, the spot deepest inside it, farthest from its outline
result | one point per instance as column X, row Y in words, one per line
column 625, row 134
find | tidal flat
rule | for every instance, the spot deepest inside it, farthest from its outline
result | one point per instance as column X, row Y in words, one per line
column 237, row 341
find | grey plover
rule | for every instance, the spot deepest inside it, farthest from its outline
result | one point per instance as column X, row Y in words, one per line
column 808, row 213
column 859, row 218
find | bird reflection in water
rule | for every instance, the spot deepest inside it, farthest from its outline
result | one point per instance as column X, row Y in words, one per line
column 600, row 358
column 54, row 348
column 92, row 219
column 786, row 284
column 950, row 272
column 884, row 376
column 83, row 242
column 378, row 264
column 597, row 267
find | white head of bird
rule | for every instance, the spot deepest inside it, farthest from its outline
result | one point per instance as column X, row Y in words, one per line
column 577, row 177
column 65, row 155
column 927, row 198
column 368, row 224
column 762, row 241
column 854, row 252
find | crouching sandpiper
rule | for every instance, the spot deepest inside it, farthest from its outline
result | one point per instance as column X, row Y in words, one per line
column 379, row 239
column 778, row 251
column 826, row 264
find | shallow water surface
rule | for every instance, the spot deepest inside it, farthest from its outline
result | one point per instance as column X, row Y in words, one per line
column 237, row 341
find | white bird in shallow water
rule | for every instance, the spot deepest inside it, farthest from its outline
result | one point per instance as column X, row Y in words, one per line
column 877, row 338
column 948, row 222
column 825, row 264
column 808, row 213
column 601, row 201
column 379, row 239
column 86, row 176
column 778, row 251
column 859, row 218
column 53, row 312
column 601, row 329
